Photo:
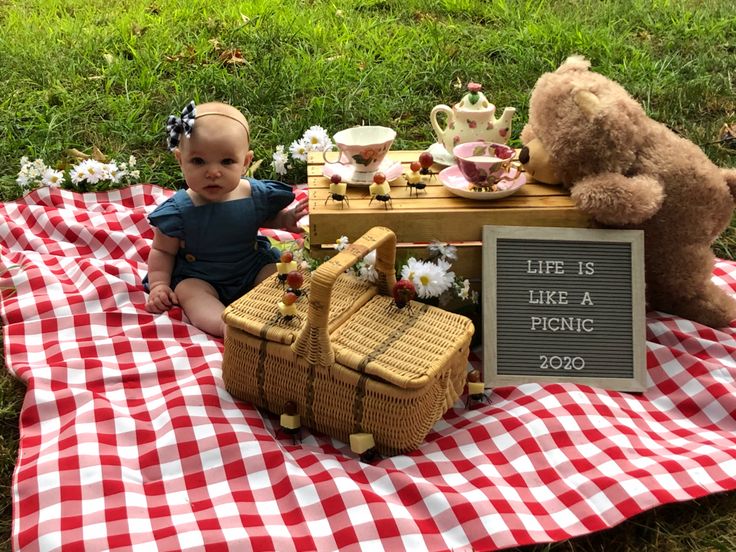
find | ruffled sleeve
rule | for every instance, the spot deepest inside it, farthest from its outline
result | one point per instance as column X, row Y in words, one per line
column 274, row 196
column 167, row 217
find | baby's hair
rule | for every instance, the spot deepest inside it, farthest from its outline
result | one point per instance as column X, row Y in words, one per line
column 244, row 125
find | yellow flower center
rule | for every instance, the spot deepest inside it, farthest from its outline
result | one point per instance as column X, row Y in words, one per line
column 424, row 280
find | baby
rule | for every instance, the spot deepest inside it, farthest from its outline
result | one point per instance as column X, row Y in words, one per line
column 206, row 252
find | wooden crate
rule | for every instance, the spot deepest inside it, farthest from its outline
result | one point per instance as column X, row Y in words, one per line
column 436, row 214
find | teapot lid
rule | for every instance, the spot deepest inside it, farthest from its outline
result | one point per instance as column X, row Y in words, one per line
column 475, row 100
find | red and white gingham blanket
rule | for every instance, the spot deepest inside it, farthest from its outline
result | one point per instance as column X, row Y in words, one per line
column 128, row 437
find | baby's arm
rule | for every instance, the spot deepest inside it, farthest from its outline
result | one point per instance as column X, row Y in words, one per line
column 160, row 266
column 288, row 218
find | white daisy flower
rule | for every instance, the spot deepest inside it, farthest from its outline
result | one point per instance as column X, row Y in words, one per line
column 114, row 172
column 76, row 174
column 298, row 255
column 280, row 160
column 408, row 270
column 299, row 149
column 39, row 166
column 52, row 178
column 22, row 180
column 341, row 243
column 31, row 172
column 463, row 291
column 103, row 172
column 449, row 276
column 91, row 170
column 317, row 139
column 131, row 161
column 430, row 279
column 135, row 174
column 442, row 250
column 367, row 271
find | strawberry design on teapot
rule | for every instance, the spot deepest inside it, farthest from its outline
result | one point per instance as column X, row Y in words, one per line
column 472, row 119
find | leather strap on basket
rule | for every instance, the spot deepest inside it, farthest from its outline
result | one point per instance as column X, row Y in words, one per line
column 313, row 342
column 382, row 347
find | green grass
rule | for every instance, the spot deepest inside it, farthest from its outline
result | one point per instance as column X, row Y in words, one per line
column 78, row 74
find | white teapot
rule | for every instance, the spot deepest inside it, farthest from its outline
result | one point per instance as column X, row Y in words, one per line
column 472, row 119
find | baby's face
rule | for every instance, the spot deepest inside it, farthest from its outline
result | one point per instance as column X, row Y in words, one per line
column 215, row 157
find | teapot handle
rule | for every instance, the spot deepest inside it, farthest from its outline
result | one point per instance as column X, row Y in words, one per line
column 442, row 108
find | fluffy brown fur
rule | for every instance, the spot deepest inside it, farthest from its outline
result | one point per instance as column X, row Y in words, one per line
column 626, row 170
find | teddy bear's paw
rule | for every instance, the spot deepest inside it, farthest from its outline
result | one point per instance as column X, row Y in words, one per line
column 711, row 307
column 730, row 176
column 615, row 199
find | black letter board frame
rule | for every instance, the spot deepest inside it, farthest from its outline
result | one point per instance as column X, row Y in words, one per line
column 539, row 324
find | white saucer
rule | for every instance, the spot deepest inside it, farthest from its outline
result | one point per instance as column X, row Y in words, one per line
column 455, row 182
column 440, row 155
column 392, row 169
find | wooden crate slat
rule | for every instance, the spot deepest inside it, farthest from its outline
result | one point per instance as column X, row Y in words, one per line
column 434, row 213
column 410, row 205
column 467, row 265
column 419, row 226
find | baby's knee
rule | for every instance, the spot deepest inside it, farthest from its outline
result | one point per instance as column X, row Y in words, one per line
column 265, row 272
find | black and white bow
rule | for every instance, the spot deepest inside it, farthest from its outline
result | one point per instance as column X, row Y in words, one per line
column 175, row 126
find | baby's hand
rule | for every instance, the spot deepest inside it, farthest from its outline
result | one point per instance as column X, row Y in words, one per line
column 161, row 299
column 294, row 215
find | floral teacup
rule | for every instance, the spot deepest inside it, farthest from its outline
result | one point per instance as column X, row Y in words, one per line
column 483, row 164
column 364, row 147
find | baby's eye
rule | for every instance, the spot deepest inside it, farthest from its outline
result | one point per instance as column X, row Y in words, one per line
column 197, row 161
column 228, row 161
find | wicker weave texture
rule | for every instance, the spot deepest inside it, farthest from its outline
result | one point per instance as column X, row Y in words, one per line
column 256, row 311
column 406, row 347
column 338, row 400
column 358, row 363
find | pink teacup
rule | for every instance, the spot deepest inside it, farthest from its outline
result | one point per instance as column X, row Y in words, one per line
column 364, row 147
column 483, row 163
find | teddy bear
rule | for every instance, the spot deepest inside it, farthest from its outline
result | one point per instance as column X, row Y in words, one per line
column 626, row 170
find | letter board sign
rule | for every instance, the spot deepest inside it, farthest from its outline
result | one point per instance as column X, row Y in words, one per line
column 564, row 305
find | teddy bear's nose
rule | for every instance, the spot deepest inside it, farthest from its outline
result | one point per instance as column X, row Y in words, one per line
column 524, row 155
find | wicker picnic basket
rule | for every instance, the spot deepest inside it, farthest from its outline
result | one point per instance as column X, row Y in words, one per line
column 351, row 361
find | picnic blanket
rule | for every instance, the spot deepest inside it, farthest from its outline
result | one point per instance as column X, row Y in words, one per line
column 128, row 437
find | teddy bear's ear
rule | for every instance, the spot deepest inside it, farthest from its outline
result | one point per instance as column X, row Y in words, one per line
column 588, row 102
column 574, row 63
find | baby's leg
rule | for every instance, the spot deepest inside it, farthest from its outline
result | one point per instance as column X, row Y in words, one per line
column 264, row 273
column 202, row 306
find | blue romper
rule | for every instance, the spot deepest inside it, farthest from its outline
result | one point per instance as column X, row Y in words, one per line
column 219, row 240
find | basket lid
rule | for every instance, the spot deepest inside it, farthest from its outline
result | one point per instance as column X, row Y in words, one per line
column 405, row 347
column 257, row 311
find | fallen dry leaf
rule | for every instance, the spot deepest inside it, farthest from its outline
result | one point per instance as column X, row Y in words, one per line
column 232, row 57
column 253, row 168
column 97, row 155
column 188, row 54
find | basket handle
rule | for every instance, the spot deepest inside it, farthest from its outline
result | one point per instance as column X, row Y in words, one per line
column 313, row 342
